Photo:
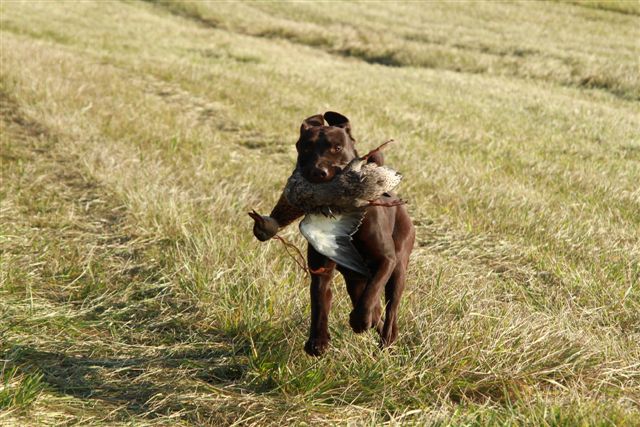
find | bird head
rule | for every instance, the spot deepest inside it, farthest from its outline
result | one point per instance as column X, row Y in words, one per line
column 264, row 227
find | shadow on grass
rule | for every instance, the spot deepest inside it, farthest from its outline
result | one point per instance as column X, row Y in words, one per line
column 147, row 386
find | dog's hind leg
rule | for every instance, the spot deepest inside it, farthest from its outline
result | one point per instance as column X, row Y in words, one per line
column 356, row 285
column 392, row 292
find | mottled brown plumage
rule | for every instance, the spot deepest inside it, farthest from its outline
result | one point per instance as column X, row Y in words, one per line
column 358, row 185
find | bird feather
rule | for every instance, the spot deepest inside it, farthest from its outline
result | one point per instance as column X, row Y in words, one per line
column 332, row 238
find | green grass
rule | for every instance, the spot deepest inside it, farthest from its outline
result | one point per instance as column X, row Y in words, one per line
column 136, row 136
column 18, row 391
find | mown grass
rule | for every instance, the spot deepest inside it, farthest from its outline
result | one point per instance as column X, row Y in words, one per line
column 136, row 135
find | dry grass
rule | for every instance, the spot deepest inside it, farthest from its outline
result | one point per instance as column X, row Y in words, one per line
column 135, row 136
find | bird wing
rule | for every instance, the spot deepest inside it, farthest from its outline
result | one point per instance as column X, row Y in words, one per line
column 332, row 238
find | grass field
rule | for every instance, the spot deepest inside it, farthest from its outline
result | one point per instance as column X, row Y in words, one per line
column 136, row 136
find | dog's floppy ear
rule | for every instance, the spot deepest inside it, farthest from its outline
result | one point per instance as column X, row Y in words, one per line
column 312, row 121
column 338, row 120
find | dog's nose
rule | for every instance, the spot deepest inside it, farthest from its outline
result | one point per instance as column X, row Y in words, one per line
column 320, row 174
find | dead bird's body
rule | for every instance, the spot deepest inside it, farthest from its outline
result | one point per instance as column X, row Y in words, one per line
column 335, row 209
column 359, row 184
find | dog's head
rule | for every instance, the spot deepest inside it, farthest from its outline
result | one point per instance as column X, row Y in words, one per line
column 324, row 150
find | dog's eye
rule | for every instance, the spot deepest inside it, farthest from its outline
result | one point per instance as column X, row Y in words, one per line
column 337, row 148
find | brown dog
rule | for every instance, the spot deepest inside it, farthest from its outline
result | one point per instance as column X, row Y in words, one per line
column 385, row 239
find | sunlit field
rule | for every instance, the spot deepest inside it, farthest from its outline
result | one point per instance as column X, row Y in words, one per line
column 136, row 135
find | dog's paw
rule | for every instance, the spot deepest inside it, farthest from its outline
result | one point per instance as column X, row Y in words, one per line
column 363, row 319
column 316, row 346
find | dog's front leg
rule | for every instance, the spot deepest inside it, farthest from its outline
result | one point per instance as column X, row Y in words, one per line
column 318, row 341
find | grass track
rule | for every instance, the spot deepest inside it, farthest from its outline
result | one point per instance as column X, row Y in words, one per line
column 136, row 134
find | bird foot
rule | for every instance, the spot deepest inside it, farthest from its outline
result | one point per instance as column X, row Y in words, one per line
column 387, row 204
column 256, row 216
